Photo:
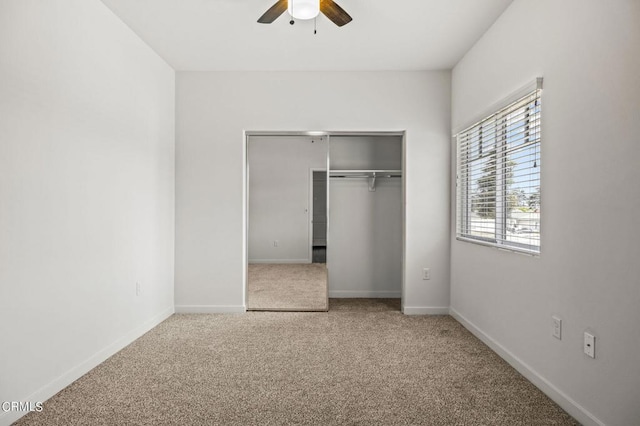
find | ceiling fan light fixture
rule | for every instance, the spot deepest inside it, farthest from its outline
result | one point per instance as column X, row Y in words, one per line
column 304, row 9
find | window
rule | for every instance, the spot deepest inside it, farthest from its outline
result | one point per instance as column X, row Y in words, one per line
column 498, row 187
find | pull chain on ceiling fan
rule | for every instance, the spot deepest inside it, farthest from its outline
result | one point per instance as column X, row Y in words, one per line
column 307, row 9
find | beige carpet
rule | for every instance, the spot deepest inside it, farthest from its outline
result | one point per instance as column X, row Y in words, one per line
column 361, row 363
column 287, row 287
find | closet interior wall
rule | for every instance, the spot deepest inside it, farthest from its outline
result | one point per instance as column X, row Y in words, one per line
column 365, row 216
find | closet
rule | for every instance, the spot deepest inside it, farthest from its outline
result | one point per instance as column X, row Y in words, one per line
column 364, row 254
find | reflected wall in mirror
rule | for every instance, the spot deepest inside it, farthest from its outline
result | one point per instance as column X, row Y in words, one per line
column 287, row 223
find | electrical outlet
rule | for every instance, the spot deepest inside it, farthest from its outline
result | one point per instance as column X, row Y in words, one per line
column 137, row 288
column 590, row 344
column 557, row 327
column 275, row 243
column 426, row 274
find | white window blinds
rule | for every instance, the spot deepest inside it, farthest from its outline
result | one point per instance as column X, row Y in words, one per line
column 498, row 187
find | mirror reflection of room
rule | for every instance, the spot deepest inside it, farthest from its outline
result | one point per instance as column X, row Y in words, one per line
column 287, row 229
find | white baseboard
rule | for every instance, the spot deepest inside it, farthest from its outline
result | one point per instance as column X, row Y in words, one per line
column 52, row 388
column 210, row 309
column 569, row 405
column 369, row 294
column 425, row 310
column 278, row 261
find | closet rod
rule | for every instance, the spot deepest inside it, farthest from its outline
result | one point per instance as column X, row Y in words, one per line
column 365, row 173
column 377, row 176
column 372, row 175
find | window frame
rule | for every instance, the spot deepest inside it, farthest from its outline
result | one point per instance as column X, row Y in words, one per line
column 463, row 209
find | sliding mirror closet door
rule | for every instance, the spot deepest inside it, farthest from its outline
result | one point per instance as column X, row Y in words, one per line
column 287, row 223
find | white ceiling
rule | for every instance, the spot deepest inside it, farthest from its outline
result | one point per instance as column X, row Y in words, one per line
column 384, row 34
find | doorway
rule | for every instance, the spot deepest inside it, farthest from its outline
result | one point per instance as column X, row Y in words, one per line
column 319, row 215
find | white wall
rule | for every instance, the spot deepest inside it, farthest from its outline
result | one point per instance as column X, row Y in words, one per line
column 279, row 196
column 364, row 255
column 213, row 110
column 87, row 190
column 381, row 152
column 589, row 54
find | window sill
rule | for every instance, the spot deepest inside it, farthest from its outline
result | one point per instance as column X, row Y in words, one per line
column 500, row 247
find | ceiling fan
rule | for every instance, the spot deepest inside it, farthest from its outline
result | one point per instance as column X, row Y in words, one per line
column 306, row 9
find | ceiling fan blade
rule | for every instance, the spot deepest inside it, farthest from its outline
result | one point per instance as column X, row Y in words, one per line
column 274, row 12
column 335, row 13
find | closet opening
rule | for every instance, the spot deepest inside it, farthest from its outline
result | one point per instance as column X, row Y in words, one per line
column 366, row 217
column 329, row 207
